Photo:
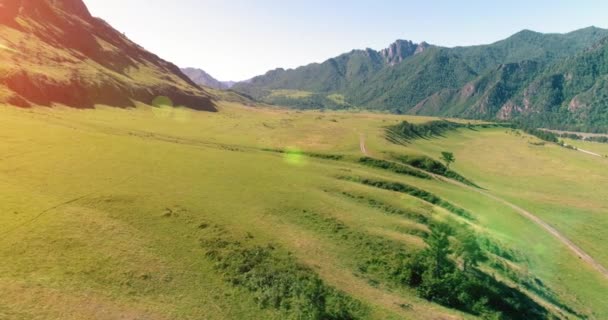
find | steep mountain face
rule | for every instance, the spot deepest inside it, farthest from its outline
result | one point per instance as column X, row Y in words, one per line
column 486, row 81
column 413, row 80
column 54, row 51
column 572, row 94
column 202, row 78
column 482, row 97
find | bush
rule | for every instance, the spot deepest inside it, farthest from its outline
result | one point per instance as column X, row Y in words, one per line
column 600, row 139
column 277, row 281
column 437, row 278
column 409, row 131
column 432, row 272
column 394, row 167
column 415, row 192
column 428, row 164
column 388, row 209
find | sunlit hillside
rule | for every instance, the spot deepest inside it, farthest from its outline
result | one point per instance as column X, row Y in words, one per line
column 152, row 212
column 54, row 51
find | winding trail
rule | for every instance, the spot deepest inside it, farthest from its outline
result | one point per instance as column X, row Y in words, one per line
column 527, row 214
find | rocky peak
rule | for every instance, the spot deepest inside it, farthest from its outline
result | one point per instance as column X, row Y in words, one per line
column 400, row 50
column 421, row 47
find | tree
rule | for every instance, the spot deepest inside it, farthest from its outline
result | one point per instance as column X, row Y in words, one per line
column 439, row 249
column 470, row 251
column 437, row 280
column 448, row 158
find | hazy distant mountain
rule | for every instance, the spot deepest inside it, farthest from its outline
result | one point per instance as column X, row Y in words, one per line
column 54, row 51
column 485, row 81
column 202, row 78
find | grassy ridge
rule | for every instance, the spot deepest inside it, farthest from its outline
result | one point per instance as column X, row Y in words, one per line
column 413, row 191
column 277, row 280
column 394, row 167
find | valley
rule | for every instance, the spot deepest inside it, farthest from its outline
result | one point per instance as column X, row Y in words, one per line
column 418, row 181
column 119, row 222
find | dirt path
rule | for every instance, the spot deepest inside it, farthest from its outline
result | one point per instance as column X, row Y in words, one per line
column 529, row 215
column 562, row 238
column 584, row 151
column 589, row 152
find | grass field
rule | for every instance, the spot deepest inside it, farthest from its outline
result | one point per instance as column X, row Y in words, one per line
column 107, row 213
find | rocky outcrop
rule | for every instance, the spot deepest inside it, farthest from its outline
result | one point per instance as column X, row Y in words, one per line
column 402, row 49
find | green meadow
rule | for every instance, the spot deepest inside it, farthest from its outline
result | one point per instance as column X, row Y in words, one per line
column 155, row 213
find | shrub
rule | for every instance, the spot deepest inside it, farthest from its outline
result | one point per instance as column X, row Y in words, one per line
column 415, row 192
column 433, row 166
column 409, row 131
column 277, row 281
column 394, row 167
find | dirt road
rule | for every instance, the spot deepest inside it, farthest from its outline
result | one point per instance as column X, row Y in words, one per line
column 589, row 152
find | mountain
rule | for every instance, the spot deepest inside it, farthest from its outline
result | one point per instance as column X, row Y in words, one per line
column 54, row 51
column 338, row 74
column 202, row 78
column 474, row 82
column 571, row 94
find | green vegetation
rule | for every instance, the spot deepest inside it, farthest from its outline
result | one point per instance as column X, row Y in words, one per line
column 277, row 280
column 159, row 211
column 415, row 192
column 448, row 158
column 389, row 209
column 428, row 164
column 394, row 167
column 541, row 134
column 432, row 271
column 437, row 278
column 597, row 139
column 544, row 80
column 142, row 238
column 409, row 131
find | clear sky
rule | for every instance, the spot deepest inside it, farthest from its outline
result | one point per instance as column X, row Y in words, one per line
column 239, row 39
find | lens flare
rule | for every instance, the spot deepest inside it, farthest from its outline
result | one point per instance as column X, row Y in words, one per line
column 294, row 156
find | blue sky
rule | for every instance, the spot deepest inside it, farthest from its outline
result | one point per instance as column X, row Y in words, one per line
column 238, row 39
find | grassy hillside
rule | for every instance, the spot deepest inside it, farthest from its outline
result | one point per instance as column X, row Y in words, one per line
column 55, row 52
column 158, row 213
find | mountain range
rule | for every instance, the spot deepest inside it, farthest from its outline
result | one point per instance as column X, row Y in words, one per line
column 55, row 52
column 554, row 80
column 202, row 78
